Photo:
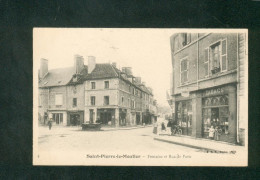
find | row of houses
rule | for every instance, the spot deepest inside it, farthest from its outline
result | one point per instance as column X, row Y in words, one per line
column 208, row 84
column 96, row 93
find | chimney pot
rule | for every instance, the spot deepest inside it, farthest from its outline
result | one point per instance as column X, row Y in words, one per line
column 43, row 67
column 91, row 63
column 78, row 63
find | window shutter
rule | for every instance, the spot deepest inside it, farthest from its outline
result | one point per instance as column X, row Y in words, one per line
column 206, row 62
column 224, row 55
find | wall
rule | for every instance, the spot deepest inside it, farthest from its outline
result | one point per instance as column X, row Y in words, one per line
column 76, row 91
column 100, row 92
column 57, row 90
column 191, row 52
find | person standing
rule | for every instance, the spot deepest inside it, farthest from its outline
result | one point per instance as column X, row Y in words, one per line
column 50, row 124
column 155, row 127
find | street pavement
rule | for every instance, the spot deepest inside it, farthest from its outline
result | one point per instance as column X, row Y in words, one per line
column 126, row 140
column 72, row 146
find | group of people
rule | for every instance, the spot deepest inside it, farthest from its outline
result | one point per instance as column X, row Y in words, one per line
column 171, row 124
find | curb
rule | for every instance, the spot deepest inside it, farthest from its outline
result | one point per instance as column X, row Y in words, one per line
column 130, row 128
column 183, row 144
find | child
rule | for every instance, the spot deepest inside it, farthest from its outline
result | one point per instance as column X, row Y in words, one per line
column 211, row 132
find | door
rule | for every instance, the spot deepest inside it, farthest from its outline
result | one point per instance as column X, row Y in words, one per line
column 91, row 116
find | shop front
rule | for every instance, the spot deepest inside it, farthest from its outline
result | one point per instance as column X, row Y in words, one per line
column 184, row 116
column 75, row 118
column 122, row 117
column 219, row 113
column 106, row 116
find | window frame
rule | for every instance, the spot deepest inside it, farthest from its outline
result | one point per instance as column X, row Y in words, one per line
column 91, row 85
column 107, row 81
column 185, row 58
column 94, row 98
column 73, row 102
column 108, row 103
column 122, row 100
column 220, row 41
column 56, row 95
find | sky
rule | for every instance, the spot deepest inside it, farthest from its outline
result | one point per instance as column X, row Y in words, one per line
column 147, row 51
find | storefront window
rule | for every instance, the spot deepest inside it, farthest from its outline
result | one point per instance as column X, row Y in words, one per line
column 215, row 113
column 184, row 117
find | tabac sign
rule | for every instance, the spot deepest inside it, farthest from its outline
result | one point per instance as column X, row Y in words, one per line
column 214, row 91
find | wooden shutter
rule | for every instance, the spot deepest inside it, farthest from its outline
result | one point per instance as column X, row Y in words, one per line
column 224, row 55
column 206, row 62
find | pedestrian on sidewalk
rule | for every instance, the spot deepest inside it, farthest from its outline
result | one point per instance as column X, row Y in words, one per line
column 163, row 127
column 155, row 127
column 211, row 132
column 50, row 124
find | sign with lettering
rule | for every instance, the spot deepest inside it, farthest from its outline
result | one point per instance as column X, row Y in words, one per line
column 213, row 91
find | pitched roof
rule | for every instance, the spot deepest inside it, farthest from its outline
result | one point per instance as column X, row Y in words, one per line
column 59, row 77
column 102, row 71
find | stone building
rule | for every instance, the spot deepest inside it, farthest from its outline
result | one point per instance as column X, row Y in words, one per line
column 208, row 83
column 95, row 93
column 114, row 96
column 61, row 93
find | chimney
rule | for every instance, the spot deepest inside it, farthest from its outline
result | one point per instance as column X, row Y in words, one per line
column 114, row 64
column 91, row 63
column 129, row 71
column 124, row 70
column 43, row 67
column 78, row 63
column 143, row 83
column 138, row 80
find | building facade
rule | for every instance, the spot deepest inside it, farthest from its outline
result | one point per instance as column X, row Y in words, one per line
column 97, row 93
column 116, row 97
column 61, row 93
column 207, row 83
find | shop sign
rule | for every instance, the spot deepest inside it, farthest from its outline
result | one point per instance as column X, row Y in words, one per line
column 213, row 91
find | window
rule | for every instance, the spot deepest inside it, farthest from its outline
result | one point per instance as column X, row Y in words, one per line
column 129, row 88
column 106, row 84
column 93, row 85
column 93, row 100
column 133, row 91
column 40, row 100
column 128, row 102
column 58, row 100
column 214, row 56
column 57, row 118
column 106, row 100
column 122, row 100
column 184, row 70
column 74, row 102
column 217, row 57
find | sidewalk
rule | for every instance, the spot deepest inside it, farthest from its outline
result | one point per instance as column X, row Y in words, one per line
column 200, row 143
column 107, row 128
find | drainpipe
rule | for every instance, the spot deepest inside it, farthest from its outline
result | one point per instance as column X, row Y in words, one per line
column 238, row 85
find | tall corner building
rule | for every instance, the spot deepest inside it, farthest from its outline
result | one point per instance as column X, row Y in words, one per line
column 209, row 84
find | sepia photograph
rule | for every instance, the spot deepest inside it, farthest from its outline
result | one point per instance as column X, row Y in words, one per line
column 140, row 97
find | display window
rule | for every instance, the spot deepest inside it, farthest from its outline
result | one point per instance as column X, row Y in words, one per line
column 184, row 117
column 215, row 115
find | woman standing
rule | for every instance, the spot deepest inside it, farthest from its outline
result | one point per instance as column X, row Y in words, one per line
column 155, row 127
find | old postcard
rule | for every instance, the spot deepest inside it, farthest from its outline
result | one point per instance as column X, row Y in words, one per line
column 140, row 97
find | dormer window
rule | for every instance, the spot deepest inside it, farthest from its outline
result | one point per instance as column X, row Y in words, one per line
column 74, row 78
